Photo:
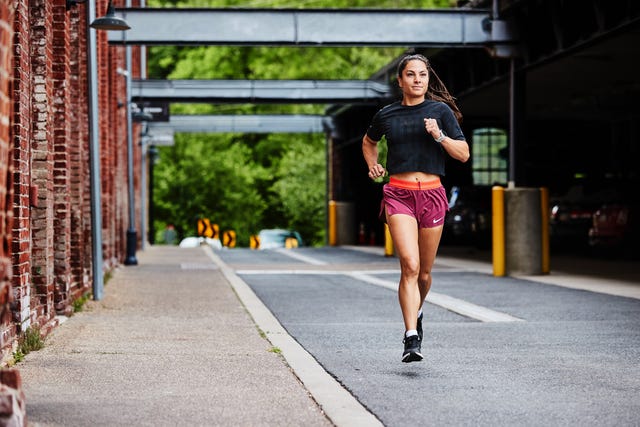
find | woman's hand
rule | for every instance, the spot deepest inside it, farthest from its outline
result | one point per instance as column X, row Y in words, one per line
column 370, row 152
column 458, row 149
column 431, row 125
column 376, row 171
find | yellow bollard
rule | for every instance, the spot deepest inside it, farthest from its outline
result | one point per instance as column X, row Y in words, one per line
column 333, row 223
column 498, row 227
column 388, row 241
column 544, row 207
column 291, row 242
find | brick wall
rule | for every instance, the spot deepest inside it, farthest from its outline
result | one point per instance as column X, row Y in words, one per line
column 45, row 258
column 7, row 328
column 62, row 111
column 78, row 157
column 41, row 161
column 21, row 236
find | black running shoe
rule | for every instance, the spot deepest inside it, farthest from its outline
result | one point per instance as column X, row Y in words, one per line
column 419, row 326
column 412, row 349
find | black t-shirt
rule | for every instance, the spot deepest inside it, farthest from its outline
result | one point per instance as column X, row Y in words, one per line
column 411, row 147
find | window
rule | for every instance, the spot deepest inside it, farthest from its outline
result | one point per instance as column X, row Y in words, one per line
column 489, row 156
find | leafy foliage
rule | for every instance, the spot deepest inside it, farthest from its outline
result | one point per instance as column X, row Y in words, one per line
column 300, row 185
column 209, row 176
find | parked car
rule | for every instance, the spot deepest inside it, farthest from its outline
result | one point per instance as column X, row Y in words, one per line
column 279, row 238
column 469, row 218
column 616, row 227
column 194, row 242
column 571, row 213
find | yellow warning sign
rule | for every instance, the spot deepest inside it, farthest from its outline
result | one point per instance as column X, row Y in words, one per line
column 254, row 241
column 206, row 229
column 229, row 239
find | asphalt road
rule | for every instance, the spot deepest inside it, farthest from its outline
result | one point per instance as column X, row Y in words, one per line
column 570, row 357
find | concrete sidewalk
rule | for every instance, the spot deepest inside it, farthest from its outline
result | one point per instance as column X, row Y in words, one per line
column 170, row 344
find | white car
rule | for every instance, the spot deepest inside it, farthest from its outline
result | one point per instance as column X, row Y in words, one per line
column 279, row 238
column 194, row 242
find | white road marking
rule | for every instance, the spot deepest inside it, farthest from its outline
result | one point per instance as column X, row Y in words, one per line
column 456, row 305
column 312, row 272
column 447, row 302
column 300, row 257
column 197, row 266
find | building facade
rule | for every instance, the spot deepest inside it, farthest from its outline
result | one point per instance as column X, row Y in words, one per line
column 45, row 192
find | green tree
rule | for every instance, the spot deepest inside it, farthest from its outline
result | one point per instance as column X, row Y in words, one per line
column 204, row 176
column 301, row 187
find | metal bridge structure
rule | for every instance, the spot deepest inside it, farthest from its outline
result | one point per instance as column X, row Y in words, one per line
column 308, row 27
column 297, row 27
column 261, row 91
column 161, row 133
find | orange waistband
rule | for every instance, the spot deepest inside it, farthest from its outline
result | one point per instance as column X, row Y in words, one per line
column 415, row 185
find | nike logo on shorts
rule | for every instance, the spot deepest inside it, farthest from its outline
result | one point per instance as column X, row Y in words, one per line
column 435, row 221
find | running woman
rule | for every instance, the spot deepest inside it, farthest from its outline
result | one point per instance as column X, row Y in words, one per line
column 421, row 130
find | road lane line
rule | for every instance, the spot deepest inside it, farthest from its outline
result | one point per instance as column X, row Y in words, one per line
column 456, row 305
column 300, row 257
column 337, row 403
column 312, row 272
column 447, row 302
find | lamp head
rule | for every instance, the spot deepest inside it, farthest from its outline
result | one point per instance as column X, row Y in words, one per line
column 110, row 21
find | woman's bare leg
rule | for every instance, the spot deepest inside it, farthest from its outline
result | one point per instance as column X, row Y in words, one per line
column 404, row 232
column 428, row 240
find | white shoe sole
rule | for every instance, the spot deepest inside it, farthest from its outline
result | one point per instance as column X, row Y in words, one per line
column 412, row 357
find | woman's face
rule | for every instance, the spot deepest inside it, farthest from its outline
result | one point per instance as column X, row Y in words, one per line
column 414, row 79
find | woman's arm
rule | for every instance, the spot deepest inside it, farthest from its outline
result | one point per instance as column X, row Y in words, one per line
column 456, row 148
column 370, row 154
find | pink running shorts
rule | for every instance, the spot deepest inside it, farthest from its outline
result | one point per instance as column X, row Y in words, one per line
column 425, row 201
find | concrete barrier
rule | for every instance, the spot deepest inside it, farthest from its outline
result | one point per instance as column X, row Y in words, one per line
column 342, row 223
column 523, row 231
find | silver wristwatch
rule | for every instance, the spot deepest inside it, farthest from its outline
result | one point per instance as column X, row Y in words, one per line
column 441, row 137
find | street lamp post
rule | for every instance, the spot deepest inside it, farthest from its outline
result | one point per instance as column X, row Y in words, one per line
column 153, row 157
column 94, row 159
column 132, row 235
column 143, row 184
column 105, row 23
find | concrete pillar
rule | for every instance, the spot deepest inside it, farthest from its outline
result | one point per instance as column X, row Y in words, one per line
column 523, row 234
column 345, row 223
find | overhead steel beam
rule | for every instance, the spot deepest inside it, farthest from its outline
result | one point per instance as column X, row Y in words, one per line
column 241, row 124
column 310, row 27
column 260, row 91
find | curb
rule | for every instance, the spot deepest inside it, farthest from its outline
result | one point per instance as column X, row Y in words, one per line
column 337, row 403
